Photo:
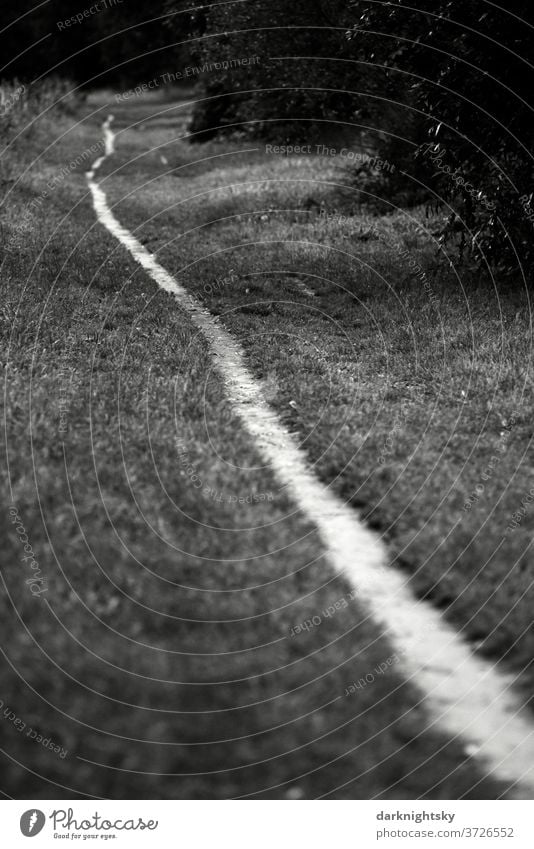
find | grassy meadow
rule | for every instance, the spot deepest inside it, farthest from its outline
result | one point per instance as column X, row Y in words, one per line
column 164, row 655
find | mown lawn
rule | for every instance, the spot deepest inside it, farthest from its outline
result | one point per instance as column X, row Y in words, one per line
column 164, row 655
column 413, row 401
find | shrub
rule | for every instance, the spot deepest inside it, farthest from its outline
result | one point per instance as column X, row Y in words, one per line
column 462, row 68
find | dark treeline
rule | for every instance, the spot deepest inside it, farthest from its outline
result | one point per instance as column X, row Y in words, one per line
column 444, row 88
column 104, row 42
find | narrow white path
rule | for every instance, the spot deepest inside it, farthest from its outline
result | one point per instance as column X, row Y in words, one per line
column 464, row 695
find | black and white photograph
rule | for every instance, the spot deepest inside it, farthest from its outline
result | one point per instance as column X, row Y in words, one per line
column 267, row 523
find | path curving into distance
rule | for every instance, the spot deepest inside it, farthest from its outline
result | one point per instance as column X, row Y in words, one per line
column 463, row 695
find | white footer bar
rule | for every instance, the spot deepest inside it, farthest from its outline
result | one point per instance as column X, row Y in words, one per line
column 268, row 824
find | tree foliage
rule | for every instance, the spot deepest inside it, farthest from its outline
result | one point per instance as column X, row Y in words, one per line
column 443, row 86
column 112, row 42
column 290, row 87
column 464, row 67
